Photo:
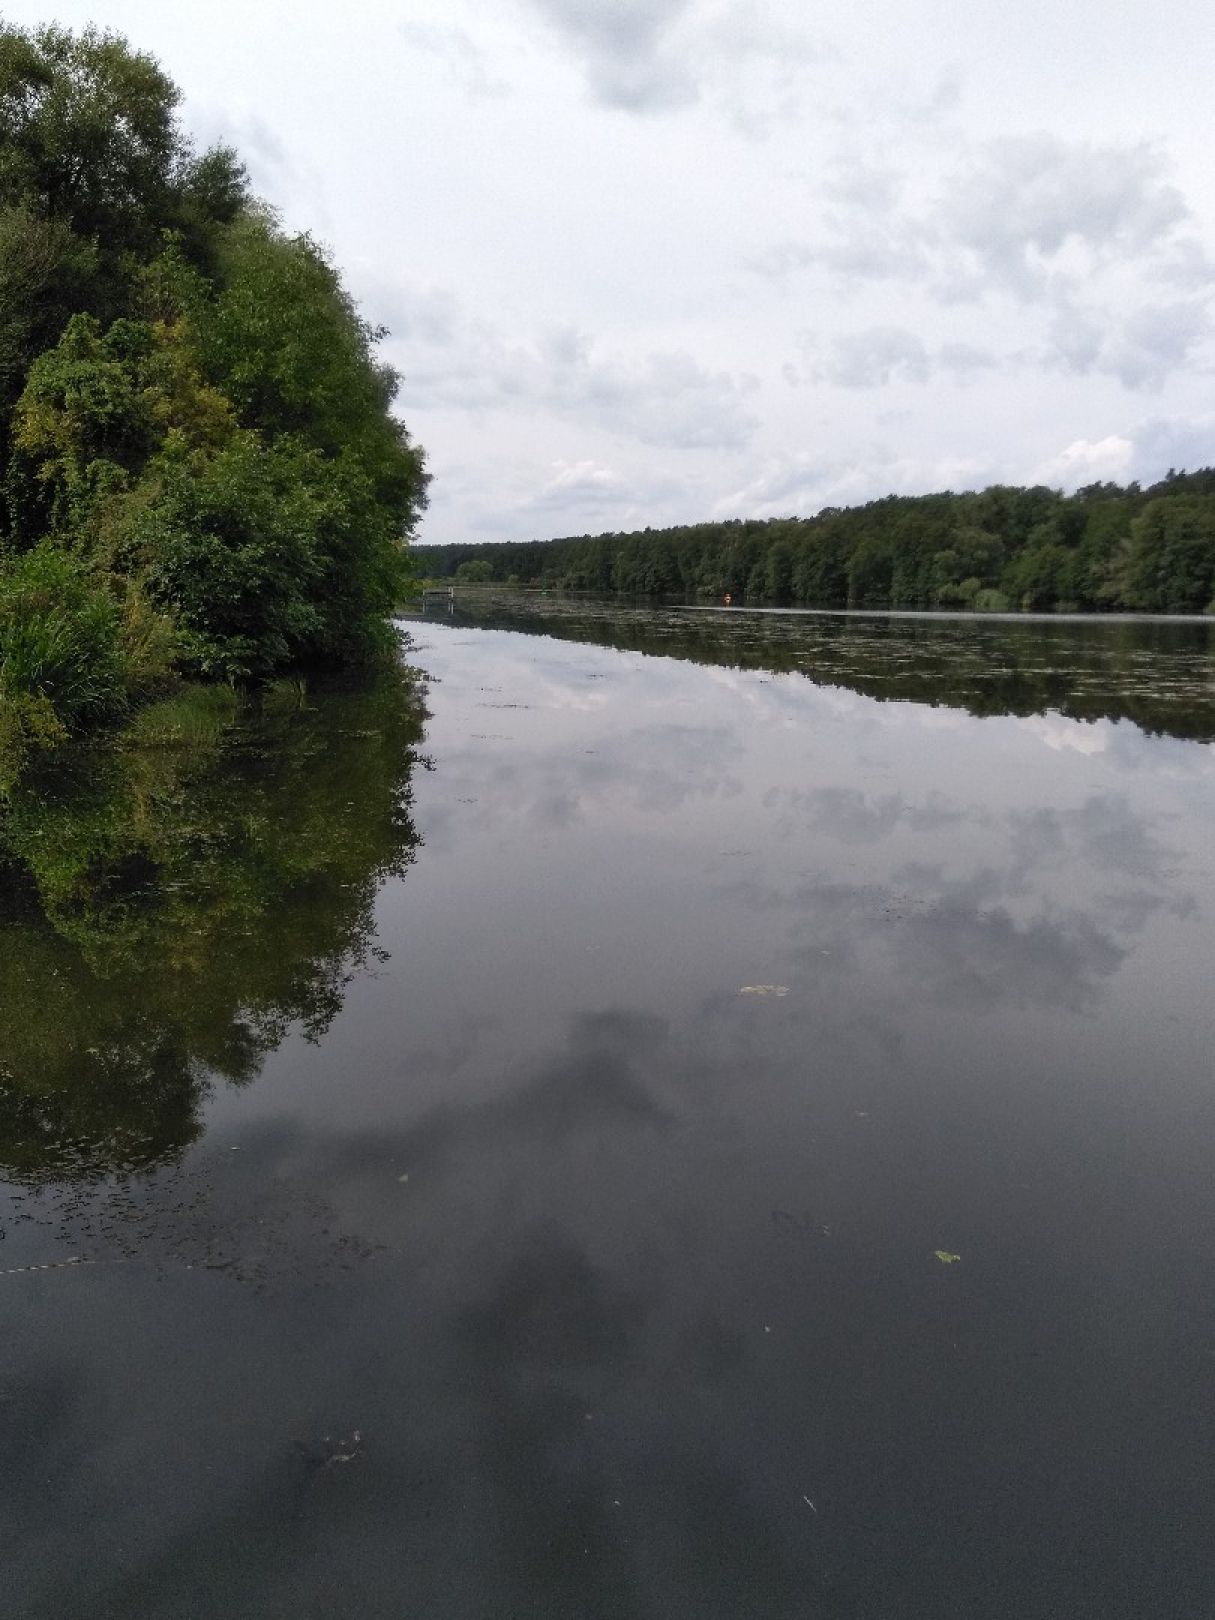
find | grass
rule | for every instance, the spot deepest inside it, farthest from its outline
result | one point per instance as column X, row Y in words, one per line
column 195, row 716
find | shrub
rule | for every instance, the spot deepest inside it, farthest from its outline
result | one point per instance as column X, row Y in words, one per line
column 60, row 639
column 230, row 551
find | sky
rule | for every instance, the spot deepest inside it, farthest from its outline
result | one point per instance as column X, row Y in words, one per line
column 654, row 261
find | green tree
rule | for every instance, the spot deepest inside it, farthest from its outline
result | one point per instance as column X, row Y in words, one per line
column 89, row 136
column 1169, row 565
column 476, row 572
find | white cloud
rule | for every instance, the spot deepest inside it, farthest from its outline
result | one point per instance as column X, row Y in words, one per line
column 803, row 484
column 1142, row 452
column 581, row 484
column 1087, row 461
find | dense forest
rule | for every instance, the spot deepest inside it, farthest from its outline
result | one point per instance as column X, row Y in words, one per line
column 199, row 472
column 1105, row 548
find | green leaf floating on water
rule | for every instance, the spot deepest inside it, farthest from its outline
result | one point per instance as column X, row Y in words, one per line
column 946, row 1259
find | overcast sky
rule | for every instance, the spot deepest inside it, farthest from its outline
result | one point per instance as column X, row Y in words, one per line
column 646, row 261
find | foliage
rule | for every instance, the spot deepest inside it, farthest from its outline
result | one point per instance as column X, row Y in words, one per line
column 191, row 408
column 60, row 638
column 1001, row 549
column 478, row 572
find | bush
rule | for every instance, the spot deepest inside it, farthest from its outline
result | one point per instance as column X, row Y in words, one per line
column 479, row 572
column 60, row 639
column 230, row 551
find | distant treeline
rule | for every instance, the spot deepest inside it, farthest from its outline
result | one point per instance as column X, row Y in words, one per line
column 1105, row 548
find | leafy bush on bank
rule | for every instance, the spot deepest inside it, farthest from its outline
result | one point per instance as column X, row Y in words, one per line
column 200, row 472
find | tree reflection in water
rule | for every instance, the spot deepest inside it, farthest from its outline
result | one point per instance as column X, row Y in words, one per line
column 1158, row 673
column 168, row 912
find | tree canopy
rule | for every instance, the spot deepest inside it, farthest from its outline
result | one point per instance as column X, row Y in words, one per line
column 195, row 428
column 1105, row 548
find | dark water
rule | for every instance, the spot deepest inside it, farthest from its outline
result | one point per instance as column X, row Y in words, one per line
column 494, row 1162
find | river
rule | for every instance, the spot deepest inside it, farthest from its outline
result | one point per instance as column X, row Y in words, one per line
column 653, row 1115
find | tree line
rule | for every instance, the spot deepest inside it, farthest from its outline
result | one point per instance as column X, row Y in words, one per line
column 1105, row 548
column 200, row 474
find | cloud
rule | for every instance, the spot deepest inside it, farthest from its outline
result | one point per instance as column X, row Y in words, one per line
column 1086, row 234
column 1020, row 215
column 965, row 361
column 580, row 484
column 804, row 484
column 1164, row 442
column 658, row 56
column 461, row 56
column 864, row 249
column 1087, row 461
column 880, row 355
column 1155, row 341
column 1141, row 348
column 1185, row 264
column 871, row 359
column 1143, row 452
column 1021, row 202
column 573, row 497
column 455, row 362
column 623, row 47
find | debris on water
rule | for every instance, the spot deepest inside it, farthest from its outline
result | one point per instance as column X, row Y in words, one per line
column 946, row 1259
column 338, row 1455
column 803, row 1222
column 405, row 1177
column 764, row 990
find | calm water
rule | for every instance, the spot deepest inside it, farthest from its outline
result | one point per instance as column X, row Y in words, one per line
column 709, row 1117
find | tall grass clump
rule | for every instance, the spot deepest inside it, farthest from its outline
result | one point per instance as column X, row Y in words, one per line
column 60, row 638
column 62, row 664
column 195, row 717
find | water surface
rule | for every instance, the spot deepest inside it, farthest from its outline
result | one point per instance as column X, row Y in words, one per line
column 708, row 1121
